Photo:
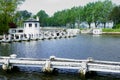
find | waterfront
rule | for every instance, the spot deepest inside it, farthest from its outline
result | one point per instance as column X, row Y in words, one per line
column 103, row 47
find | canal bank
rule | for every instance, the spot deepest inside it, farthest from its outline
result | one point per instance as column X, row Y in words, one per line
column 111, row 33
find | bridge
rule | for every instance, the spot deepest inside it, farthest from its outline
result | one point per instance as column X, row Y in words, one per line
column 48, row 65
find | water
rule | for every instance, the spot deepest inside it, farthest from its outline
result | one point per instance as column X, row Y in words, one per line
column 103, row 47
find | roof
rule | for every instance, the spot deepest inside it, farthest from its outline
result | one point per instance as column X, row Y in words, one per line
column 31, row 20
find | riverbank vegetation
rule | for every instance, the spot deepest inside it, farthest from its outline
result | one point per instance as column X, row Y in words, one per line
column 99, row 12
column 110, row 30
column 8, row 14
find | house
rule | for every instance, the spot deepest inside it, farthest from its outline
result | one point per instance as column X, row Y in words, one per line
column 31, row 29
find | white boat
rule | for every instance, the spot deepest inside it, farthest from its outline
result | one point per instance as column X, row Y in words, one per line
column 97, row 31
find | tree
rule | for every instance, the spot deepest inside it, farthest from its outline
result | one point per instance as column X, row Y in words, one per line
column 88, row 13
column 42, row 17
column 98, row 12
column 95, row 12
column 107, row 8
column 115, row 15
column 7, row 12
column 21, row 16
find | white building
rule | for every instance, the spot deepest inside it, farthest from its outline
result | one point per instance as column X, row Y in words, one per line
column 30, row 30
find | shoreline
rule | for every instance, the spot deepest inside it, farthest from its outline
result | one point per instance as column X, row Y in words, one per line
column 113, row 33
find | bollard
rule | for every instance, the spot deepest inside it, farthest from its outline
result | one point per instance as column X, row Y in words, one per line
column 90, row 59
column 13, row 56
column 52, row 57
column 83, row 69
column 7, row 66
column 47, row 68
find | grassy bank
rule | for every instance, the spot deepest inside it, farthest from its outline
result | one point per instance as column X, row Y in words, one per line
column 110, row 30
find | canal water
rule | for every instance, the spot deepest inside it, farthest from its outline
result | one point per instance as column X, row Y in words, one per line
column 102, row 47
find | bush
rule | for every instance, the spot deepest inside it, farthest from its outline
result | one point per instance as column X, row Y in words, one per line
column 117, row 26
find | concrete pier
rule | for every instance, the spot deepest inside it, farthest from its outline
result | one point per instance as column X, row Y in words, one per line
column 18, row 37
column 48, row 65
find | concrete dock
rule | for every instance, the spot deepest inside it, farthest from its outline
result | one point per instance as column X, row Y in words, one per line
column 48, row 65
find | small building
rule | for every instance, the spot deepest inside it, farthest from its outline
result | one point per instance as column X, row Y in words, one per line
column 31, row 29
column 97, row 31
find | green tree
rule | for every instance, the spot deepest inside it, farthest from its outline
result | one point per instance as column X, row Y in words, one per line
column 107, row 7
column 88, row 13
column 21, row 16
column 70, row 16
column 7, row 12
column 115, row 15
column 98, row 12
column 43, row 16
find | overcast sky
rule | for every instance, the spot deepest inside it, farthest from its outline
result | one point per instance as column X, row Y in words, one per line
column 52, row 6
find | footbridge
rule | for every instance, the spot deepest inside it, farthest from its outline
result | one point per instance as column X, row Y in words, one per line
column 48, row 65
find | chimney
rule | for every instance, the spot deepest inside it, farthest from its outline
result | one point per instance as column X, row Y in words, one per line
column 37, row 18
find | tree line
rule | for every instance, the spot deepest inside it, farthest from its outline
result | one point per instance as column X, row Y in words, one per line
column 99, row 12
column 94, row 12
column 8, row 14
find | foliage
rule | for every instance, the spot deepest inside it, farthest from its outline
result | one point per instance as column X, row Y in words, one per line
column 115, row 15
column 21, row 16
column 42, row 17
column 107, row 8
column 110, row 30
column 88, row 13
column 68, row 16
column 95, row 12
column 7, row 12
column 117, row 26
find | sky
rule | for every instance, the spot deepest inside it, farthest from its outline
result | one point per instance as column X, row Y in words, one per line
column 52, row 6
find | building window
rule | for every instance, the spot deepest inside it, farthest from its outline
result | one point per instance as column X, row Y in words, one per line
column 13, row 31
column 25, row 25
column 30, row 25
column 35, row 25
column 20, row 31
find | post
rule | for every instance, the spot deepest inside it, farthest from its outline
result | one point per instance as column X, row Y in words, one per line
column 52, row 57
column 4, row 37
column 19, row 37
column 47, row 68
column 13, row 56
column 9, row 37
column 14, row 36
column 83, row 69
column 7, row 66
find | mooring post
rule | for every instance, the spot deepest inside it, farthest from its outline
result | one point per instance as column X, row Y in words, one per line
column 13, row 56
column 19, row 37
column 52, row 57
column 47, row 68
column 83, row 69
column 7, row 66
column 9, row 37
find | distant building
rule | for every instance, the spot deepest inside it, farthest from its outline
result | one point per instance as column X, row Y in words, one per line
column 85, row 25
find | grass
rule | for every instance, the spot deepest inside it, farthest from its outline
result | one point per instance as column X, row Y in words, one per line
column 110, row 30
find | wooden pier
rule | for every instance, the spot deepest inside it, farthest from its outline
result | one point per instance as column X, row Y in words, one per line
column 48, row 65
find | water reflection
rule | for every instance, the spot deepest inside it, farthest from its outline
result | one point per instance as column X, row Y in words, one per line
column 5, row 49
column 42, row 76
